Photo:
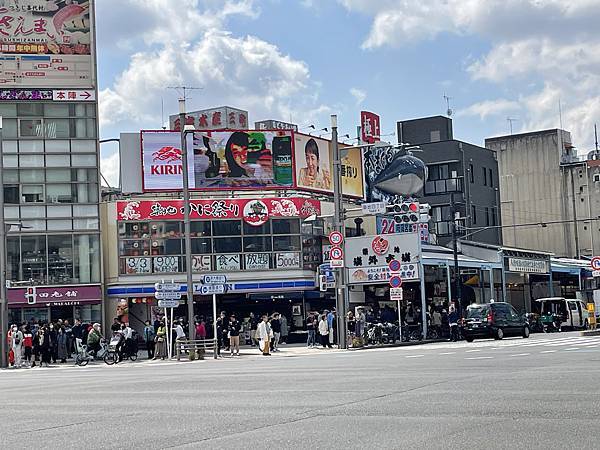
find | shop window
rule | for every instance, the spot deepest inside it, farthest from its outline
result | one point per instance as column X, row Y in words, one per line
column 265, row 228
column 166, row 264
column 137, row 230
column 286, row 243
column 201, row 246
column 33, row 258
column 200, row 228
column 227, row 245
column 39, row 314
column 134, row 248
column 89, row 313
column 257, row 244
column 166, row 229
column 60, row 259
column 167, row 247
column 286, row 226
column 227, row 228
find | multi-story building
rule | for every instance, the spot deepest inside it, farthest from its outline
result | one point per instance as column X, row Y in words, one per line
column 467, row 172
column 549, row 195
column 50, row 155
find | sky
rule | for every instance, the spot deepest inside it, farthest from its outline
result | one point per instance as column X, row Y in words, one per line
column 536, row 62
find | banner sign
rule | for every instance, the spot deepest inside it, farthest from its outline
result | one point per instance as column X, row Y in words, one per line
column 218, row 160
column 527, row 265
column 314, row 166
column 57, row 296
column 274, row 125
column 46, row 43
column 220, row 118
column 254, row 212
column 370, row 127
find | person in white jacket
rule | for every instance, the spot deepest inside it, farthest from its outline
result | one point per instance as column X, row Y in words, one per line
column 17, row 345
column 324, row 331
column 264, row 333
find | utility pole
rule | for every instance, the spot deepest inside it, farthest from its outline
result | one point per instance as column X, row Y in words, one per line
column 3, row 272
column 338, row 225
column 186, row 221
column 455, row 254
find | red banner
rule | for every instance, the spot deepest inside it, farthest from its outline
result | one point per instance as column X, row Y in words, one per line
column 57, row 296
column 370, row 127
column 253, row 211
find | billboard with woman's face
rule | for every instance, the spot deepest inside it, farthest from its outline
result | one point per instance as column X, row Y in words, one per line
column 219, row 160
column 314, row 166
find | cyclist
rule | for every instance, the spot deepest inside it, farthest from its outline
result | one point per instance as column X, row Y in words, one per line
column 93, row 339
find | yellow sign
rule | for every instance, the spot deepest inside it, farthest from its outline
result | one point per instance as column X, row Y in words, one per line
column 592, row 314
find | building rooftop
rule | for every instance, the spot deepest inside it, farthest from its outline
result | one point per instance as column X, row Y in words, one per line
column 520, row 135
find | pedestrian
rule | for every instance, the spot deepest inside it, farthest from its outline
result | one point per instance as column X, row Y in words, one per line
column 276, row 327
column 284, row 328
column 27, row 344
column 45, row 346
column 324, row 331
column 53, row 332
column 453, row 322
column 161, row 343
column 201, row 329
column 331, row 322
column 37, row 351
column 310, row 327
column 61, row 344
column 360, row 323
column 234, row 335
column 179, row 334
column 149, row 335
column 436, row 321
column 17, row 345
column 224, row 331
column 253, row 325
column 221, row 332
column 264, row 332
column 93, row 339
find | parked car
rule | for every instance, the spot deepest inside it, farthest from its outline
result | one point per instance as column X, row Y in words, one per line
column 493, row 320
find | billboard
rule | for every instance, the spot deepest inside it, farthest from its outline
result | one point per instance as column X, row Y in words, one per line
column 223, row 117
column 314, row 166
column 369, row 127
column 274, row 125
column 46, row 43
column 218, row 160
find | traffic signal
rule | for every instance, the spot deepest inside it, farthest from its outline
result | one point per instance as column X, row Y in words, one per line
column 31, row 295
column 424, row 212
column 406, row 212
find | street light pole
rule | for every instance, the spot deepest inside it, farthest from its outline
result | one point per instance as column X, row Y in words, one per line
column 338, row 225
column 3, row 291
column 186, row 221
column 455, row 255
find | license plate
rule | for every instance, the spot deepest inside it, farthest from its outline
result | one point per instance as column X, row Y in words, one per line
column 475, row 325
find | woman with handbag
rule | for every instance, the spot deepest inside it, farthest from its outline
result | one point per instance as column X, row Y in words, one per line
column 161, row 342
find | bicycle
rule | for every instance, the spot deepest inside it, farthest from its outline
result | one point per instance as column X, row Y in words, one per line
column 85, row 355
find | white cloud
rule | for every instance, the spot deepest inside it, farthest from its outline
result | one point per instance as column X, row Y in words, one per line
column 358, row 94
column 109, row 166
column 490, row 108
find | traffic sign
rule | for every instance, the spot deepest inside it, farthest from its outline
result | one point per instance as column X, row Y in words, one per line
column 337, row 263
column 336, row 253
column 167, row 295
column 168, row 303
column 336, row 238
column 167, row 286
column 373, row 208
column 209, row 289
column 595, row 263
column 396, row 294
column 395, row 281
column 596, row 273
column 214, row 279
column 394, row 266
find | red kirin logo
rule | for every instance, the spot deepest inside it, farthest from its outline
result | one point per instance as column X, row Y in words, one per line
column 166, row 155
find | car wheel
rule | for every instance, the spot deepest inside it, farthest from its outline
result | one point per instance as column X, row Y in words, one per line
column 469, row 339
column 499, row 334
column 525, row 332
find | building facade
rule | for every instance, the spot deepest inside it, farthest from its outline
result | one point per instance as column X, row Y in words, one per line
column 467, row 172
column 51, row 164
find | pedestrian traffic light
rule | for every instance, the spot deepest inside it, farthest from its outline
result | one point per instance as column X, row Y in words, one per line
column 406, row 212
column 31, row 295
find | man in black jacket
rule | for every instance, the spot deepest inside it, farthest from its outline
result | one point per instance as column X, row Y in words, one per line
column 234, row 335
column 276, row 326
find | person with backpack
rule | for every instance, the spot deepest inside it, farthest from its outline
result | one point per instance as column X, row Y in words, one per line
column 17, row 345
column 149, row 335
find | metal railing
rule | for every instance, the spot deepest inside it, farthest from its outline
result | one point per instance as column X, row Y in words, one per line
column 197, row 347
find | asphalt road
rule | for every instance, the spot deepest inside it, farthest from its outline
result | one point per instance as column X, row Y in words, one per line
column 541, row 392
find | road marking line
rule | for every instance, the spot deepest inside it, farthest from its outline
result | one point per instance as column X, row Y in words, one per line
column 447, row 353
column 472, row 351
column 522, row 354
column 414, row 356
column 481, row 357
column 569, row 349
column 549, row 351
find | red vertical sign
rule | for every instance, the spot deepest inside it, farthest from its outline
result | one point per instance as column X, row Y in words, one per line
column 370, row 128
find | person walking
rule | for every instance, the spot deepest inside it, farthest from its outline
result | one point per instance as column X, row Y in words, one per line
column 161, row 341
column 310, row 327
column 453, row 322
column 16, row 338
column 234, row 336
column 61, row 345
column 27, row 344
column 276, row 326
column 284, row 328
column 264, row 333
column 324, row 331
column 149, row 335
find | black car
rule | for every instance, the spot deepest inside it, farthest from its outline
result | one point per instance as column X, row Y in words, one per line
column 495, row 320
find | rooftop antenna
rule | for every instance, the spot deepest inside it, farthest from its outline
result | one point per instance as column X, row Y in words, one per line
column 510, row 121
column 182, row 90
column 596, row 137
column 162, row 113
column 449, row 110
column 560, row 113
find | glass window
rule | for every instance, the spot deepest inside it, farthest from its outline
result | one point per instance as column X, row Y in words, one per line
column 90, row 175
column 487, row 216
column 59, row 193
column 166, row 264
column 137, row 230
column 11, row 176
column 58, row 175
column 8, row 109
column 86, row 224
column 11, row 194
column 35, row 225
column 86, row 193
column 9, row 146
column 166, row 229
column 87, row 258
column 491, row 179
column 89, row 313
column 57, row 146
column 56, row 110
column 31, row 146
column 471, row 174
column 57, row 128
column 198, row 229
column 10, row 161
column 9, row 128
column 58, row 161
column 286, row 226
column 32, row 176
column 33, row 212
column 11, row 212
column 484, row 176
column 59, row 225
column 60, row 259
column 262, row 229
column 227, row 228
column 167, row 247
column 84, row 128
column 79, row 110
column 83, row 146
column 90, row 110
column 85, row 211
column 443, row 227
column 286, row 243
column 58, row 211
column 84, row 160
column 201, row 246
column 31, row 128
column 227, row 245
column 30, row 109
column 257, row 244
column 33, row 259
column 134, row 248
column 13, row 255
column 473, row 214
column 31, row 160
column 32, row 193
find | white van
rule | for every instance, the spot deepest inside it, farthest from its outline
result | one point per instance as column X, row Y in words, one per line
column 573, row 311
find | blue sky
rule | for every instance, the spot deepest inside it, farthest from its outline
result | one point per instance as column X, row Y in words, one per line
column 312, row 58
